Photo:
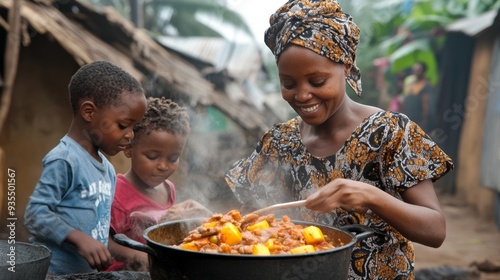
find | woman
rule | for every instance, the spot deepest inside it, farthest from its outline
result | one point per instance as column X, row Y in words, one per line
column 355, row 164
column 417, row 101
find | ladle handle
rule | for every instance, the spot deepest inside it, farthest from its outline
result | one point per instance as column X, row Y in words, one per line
column 280, row 206
column 126, row 241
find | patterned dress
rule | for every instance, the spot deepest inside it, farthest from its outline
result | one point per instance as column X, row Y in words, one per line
column 387, row 151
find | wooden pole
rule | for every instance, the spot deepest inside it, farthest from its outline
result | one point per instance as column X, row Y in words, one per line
column 11, row 59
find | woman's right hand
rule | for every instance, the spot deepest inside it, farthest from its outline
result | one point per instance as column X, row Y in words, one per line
column 347, row 194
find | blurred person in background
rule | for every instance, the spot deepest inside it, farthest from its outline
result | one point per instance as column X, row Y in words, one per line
column 418, row 96
column 396, row 103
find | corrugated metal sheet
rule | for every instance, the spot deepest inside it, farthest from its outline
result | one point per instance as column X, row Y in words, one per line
column 490, row 160
column 475, row 25
column 242, row 61
column 88, row 34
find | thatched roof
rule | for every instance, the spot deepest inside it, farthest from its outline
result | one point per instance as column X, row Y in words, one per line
column 89, row 34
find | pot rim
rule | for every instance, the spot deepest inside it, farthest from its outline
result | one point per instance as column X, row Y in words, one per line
column 348, row 245
column 47, row 254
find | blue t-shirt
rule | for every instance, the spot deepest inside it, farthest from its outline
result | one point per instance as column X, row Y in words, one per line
column 75, row 191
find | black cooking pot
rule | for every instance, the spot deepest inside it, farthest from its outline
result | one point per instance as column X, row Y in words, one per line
column 168, row 262
column 21, row 260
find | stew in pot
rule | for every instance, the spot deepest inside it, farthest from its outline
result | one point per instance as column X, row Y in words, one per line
column 255, row 235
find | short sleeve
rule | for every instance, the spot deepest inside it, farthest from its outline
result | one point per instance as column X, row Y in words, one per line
column 260, row 178
column 411, row 156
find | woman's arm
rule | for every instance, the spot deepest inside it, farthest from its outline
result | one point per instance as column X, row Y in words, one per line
column 418, row 217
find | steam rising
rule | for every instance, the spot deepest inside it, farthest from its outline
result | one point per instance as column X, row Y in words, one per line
column 214, row 144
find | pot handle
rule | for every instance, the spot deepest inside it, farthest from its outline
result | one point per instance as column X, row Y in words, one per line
column 126, row 241
column 361, row 232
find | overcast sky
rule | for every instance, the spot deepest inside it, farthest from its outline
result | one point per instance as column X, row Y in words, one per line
column 256, row 14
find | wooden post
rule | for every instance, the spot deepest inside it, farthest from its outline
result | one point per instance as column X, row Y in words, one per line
column 11, row 58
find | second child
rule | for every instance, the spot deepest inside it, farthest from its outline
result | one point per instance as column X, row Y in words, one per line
column 144, row 194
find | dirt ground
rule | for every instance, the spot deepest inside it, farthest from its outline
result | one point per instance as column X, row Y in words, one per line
column 471, row 244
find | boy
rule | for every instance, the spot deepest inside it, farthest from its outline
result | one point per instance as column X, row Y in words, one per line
column 69, row 210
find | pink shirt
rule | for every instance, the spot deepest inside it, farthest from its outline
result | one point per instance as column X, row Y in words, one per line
column 128, row 200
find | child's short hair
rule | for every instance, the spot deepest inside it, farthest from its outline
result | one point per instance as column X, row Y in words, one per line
column 101, row 82
column 164, row 115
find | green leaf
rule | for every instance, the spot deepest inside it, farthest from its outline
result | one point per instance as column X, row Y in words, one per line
column 410, row 48
column 392, row 44
column 413, row 52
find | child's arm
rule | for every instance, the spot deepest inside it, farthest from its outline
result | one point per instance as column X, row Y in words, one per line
column 96, row 254
column 52, row 207
column 41, row 218
column 134, row 260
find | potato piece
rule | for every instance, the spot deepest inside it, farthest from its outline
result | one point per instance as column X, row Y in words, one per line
column 260, row 225
column 302, row 249
column 270, row 243
column 190, row 246
column 313, row 235
column 209, row 225
column 260, row 250
column 230, row 234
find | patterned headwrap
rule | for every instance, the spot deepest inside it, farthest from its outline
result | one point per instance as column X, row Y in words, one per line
column 320, row 26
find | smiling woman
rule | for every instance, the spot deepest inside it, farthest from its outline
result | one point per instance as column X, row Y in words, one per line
column 353, row 164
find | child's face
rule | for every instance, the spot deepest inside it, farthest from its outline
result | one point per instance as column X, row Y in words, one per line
column 155, row 156
column 313, row 85
column 112, row 126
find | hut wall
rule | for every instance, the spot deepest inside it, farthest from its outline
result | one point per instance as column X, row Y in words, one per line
column 450, row 100
column 490, row 177
column 39, row 116
column 468, row 184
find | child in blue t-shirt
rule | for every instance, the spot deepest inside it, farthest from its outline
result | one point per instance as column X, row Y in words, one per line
column 69, row 210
